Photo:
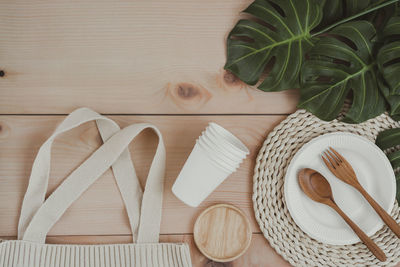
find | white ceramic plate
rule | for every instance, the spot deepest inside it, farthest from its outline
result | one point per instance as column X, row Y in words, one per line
column 373, row 171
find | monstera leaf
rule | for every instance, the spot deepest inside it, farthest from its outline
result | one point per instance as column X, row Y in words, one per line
column 336, row 9
column 390, row 139
column 327, row 47
column 389, row 65
column 341, row 62
column 279, row 35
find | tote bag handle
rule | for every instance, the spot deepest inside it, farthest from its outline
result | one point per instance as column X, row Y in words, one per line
column 144, row 211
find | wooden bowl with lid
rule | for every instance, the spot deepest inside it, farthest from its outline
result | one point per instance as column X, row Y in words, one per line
column 222, row 233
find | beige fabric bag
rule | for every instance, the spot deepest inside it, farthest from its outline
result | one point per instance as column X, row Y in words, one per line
column 38, row 214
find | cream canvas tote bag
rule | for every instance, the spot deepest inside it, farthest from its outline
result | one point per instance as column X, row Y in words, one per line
column 38, row 215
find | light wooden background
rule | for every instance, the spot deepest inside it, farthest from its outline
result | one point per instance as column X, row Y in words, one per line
column 155, row 61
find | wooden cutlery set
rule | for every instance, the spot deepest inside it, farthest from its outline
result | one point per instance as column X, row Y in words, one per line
column 317, row 188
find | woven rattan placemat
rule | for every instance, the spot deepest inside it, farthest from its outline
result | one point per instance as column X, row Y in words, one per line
column 270, row 208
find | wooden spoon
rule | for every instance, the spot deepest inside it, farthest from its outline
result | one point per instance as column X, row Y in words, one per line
column 316, row 187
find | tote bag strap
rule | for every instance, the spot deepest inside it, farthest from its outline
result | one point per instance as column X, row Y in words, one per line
column 90, row 170
column 123, row 170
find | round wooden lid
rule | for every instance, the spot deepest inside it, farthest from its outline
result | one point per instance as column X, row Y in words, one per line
column 222, row 233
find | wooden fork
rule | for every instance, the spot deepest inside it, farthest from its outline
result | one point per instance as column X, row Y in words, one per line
column 342, row 169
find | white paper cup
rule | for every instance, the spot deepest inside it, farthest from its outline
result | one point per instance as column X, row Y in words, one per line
column 221, row 148
column 198, row 178
column 229, row 141
column 217, row 160
column 223, row 144
column 219, row 154
column 216, row 155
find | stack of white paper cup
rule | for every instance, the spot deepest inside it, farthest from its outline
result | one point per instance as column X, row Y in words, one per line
column 216, row 155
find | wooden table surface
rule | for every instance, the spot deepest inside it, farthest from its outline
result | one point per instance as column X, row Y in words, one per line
column 136, row 61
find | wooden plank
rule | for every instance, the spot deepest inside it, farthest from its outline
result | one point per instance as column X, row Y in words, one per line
column 260, row 253
column 100, row 210
column 122, row 56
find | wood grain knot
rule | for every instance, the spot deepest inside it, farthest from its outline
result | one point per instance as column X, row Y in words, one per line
column 188, row 96
column 228, row 81
column 2, row 73
column 231, row 78
column 4, row 130
column 187, row 90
